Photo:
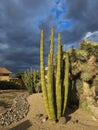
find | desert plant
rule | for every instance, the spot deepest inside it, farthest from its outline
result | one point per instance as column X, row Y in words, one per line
column 8, row 85
column 81, row 55
column 55, row 101
column 85, row 76
column 28, row 80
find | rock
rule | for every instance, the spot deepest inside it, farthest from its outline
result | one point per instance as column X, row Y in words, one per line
column 18, row 110
column 62, row 120
column 44, row 120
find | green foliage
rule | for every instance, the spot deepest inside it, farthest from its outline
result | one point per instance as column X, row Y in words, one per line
column 90, row 47
column 31, row 80
column 38, row 88
column 28, row 80
column 19, row 75
column 8, row 85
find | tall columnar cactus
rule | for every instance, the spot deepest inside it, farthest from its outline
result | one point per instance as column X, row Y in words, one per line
column 66, row 81
column 42, row 72
column 54, row 98
column 58, row 79
column 50, row 89
column 52, row 43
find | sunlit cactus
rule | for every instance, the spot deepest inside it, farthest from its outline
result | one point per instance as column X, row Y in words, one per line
column 42, row 72
column 58, row 79
column 54, row 98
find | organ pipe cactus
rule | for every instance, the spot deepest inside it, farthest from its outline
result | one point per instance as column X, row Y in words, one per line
column 42, row 71
column 55, row 92
column 66, row 81
column 58, row 79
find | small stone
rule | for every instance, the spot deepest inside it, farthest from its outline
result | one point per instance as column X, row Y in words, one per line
column 44, row 120
column 62, row 120
column 77, row 121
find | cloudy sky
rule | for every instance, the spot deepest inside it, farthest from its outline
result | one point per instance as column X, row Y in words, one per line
column 22, row 20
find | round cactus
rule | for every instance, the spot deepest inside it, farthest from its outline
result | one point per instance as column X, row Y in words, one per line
column 85, row 76
column 82, row 54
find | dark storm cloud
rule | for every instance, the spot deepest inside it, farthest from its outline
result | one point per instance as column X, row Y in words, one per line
column 19, row 32
column 22, row 20
column 83, row 14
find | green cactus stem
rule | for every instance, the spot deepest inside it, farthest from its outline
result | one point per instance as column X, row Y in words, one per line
column 42, row 72
column 66, row 82
column 50, row 90
column 58, row 79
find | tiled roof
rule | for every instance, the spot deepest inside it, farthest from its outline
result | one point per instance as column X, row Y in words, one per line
column 4, row 71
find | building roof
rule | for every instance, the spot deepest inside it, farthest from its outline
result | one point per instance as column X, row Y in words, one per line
column 4, row 71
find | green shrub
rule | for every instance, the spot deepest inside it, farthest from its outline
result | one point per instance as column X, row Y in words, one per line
column 8, row 85
column 28, row 80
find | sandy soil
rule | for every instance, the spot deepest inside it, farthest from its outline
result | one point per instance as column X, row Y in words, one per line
column 78, row 120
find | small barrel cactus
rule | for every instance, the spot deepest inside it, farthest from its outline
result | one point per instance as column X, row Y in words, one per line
column 85, row 76
column 82, row 54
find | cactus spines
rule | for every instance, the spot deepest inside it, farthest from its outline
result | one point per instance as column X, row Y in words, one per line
column 58, row 79
column 42, row 72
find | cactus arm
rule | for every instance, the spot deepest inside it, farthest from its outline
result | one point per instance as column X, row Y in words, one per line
column 42, row 72
column 50, row 89
column 66, row 82
column 58, row 79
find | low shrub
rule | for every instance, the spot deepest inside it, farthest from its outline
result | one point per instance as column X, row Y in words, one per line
column 8, row 85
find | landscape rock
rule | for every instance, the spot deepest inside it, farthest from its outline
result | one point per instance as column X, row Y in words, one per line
column 18, row 111
column 62, row 120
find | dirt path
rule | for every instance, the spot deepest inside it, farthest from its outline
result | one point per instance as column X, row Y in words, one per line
column 77, row 120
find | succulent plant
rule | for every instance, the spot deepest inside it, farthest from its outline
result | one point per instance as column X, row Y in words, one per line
column 81, row 54
column 85, row 76
column 79, row 86
column 75, row 71
column 55, row 92
column 84, row 67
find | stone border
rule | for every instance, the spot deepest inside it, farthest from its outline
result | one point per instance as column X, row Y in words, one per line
column 18, row 110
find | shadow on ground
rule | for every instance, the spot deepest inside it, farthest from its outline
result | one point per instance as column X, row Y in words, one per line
column 4, row 104
column 23, row 126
